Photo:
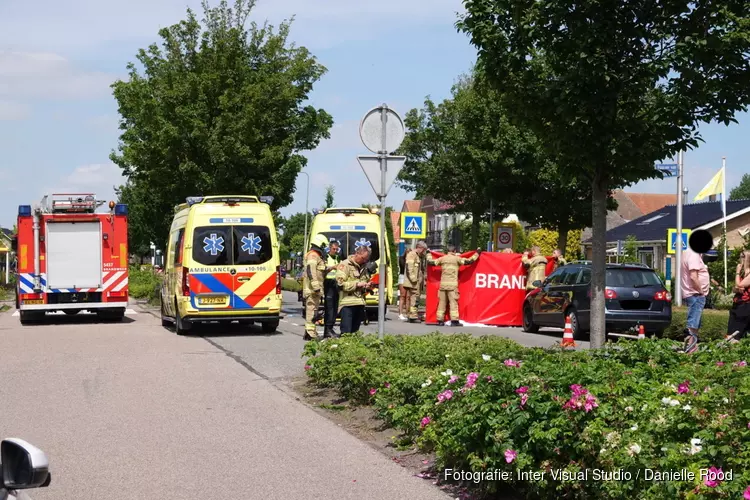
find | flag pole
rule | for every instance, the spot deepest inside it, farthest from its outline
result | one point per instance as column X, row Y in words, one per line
column 724, row 211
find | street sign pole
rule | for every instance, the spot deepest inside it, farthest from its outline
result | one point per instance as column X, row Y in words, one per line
column 383, row 169
column 382, row 132
column 678, row 236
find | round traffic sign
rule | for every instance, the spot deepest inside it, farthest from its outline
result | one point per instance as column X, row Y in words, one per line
column 371, row 130
column 504, row 238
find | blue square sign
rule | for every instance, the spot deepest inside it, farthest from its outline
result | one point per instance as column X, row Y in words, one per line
column 672, row 239
column 413, row 225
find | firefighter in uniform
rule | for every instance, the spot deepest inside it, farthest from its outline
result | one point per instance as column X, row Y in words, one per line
column 312, row 285
column 414, row 278
column 536, row 265
column 353, row 280
column 331, row 288
column 450, row 263
column 557, row 255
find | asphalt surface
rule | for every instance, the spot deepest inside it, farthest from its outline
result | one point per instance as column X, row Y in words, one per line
column 131, row 410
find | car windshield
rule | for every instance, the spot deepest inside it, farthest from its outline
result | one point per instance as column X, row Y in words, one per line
column 350, row 240
column 632, row 278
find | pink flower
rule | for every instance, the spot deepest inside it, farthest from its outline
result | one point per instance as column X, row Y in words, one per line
column 748, row 425
column 425, row 422
column 453, row 379
column 387, row 385
column 510, row 455
column 445, row 396
column 307, row 367
column 524, row 399
column 373, row 391
column 581, row 399
column 746, row 495
column 719, row 363
column 590, row 403
column 489, row 378
column 741, row 363
column 522, row 390
column 512, row 362
column 683, row 387
column 471, row 380
column 713, row 477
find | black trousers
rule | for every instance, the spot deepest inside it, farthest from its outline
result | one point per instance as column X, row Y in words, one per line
column 739, row 320
column 331, row 303
column 351, row 318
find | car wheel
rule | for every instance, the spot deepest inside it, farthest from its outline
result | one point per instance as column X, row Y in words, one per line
column 659, row 334
column 269, row 326
column 164, row 319
column 574, row 324
column 528, row 320
column 181, row 327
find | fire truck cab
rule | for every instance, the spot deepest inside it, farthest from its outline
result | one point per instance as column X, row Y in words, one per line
column 71, row 258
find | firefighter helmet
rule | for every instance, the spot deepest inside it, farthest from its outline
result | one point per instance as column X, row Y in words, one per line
column 320, row 241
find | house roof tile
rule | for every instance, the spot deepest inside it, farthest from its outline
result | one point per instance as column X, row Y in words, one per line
column 654, row 226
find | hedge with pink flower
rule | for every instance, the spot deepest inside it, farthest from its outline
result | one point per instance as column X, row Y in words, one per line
column 490, row 404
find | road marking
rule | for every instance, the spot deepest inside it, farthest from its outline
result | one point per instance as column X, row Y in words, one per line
column 128, row 312
column 295, row 324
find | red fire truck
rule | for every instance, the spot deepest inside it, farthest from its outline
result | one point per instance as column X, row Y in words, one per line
column 71, row 258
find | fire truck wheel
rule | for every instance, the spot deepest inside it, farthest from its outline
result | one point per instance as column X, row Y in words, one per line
column 116, row 315
column 28, row 317
column 71, row 312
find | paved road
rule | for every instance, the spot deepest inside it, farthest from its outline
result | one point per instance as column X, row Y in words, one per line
column 131, row 410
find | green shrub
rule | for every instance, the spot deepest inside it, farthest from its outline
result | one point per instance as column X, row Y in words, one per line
column 713, row 325
column 641, row 405
column 144, row 284
column 290, row 285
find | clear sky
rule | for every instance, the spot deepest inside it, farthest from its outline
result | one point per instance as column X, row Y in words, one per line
column 58, row 119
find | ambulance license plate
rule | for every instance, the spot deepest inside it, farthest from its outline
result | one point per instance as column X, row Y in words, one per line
column 35, row 301
column 211, row 300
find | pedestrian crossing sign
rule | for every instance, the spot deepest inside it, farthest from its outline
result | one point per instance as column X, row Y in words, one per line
column 413, row 224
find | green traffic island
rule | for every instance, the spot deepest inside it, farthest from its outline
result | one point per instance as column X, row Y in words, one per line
column 632, row 420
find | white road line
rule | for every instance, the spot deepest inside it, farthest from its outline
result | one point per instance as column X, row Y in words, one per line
column 295, row 324
column 128, row 312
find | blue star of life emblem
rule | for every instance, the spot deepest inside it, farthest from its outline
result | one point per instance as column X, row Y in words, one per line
column 213, row 245
column 251, row 243
column 362, row 243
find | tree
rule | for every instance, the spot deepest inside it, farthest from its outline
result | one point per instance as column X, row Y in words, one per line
column 217, row 109
column 742, row 190
column 460, row 150
column 142, row 220
column 630, row 251
column 612, row 87
column 292, row 227
column 329, row 196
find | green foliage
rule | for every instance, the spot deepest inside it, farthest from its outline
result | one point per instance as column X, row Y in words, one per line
column 464, row 229
column 716, row 268
column 144, row 283
column 547, row 241
column 290, row 285
column 461, row 149
column 742, row 190
column 216, row 109
column 293, row 232
column 646, row 393
column 630, row 250
column 330, row 190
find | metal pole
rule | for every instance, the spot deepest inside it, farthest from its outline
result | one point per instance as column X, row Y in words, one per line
column 724, row 214
column 307, row 211
column 383, row 168
column 491, row 246
column 678, row 236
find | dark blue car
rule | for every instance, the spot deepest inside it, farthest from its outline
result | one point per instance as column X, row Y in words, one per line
column 634, row 296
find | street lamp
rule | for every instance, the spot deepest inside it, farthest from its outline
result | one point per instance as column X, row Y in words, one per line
column 307, row 199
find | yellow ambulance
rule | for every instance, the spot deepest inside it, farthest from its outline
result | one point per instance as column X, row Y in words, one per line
column 222, row 263
column 353, row 227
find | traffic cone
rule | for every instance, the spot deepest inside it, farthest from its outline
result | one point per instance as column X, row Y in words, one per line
column 641, row 332
column 568, row 334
